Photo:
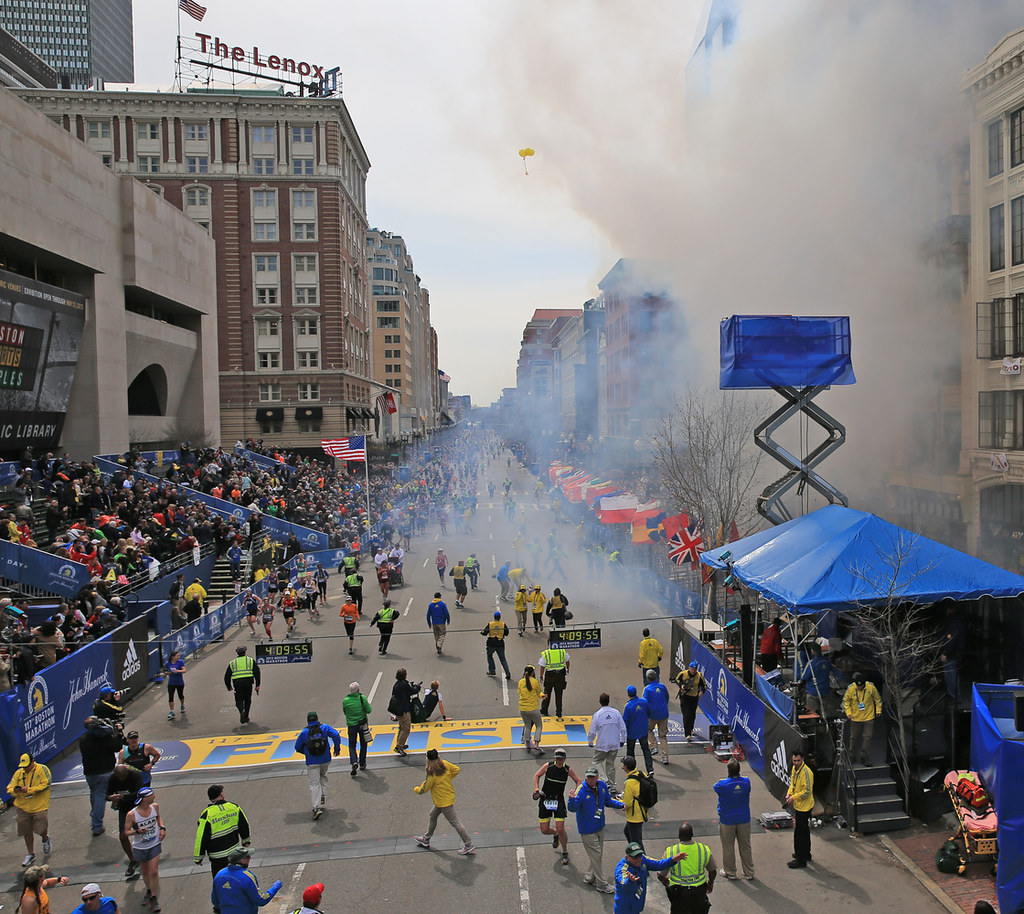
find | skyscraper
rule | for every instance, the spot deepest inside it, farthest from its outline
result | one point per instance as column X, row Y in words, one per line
column 82, row 40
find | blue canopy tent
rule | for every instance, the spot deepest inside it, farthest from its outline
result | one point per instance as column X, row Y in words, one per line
column 831, row 559
column 997, row 754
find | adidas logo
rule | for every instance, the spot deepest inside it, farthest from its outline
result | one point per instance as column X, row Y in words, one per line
column 778, row 765
column 132, row 663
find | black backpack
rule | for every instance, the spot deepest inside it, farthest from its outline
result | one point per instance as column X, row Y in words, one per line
column 647, row 790
column 317, row 743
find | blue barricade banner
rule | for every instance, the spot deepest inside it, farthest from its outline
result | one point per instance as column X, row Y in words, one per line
column 311, row 540
column 220, row 505
column 35, row 568
column 12, row 740
column 728, row 701
column 266, row 463
column 780, row 702
column 9, row 470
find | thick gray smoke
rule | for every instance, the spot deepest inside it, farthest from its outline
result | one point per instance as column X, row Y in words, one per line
column 807, row 182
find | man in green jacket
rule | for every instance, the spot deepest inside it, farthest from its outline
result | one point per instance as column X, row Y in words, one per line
column 357, row 712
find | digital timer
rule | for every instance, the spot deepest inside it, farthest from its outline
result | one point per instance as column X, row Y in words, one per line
column 575, row 638
column 284, row 652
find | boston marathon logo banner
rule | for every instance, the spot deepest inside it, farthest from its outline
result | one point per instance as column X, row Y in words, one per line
column 40, row 334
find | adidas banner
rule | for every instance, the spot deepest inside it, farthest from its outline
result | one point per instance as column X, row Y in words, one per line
column 131, row 658
column 780, row 740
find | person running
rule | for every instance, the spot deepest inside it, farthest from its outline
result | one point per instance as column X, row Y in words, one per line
column 650, row 654
column 529, row 710
column 310, row 594
column 557, row 607
column 458, row 575
column 144, row 827
column 692, row 685
column 384, row 578
column 537, row 602
column 321, row 576
column 141, row 756
column 438, row 619
column 267, row 610
column 314, row 742
column 357, row 710
column 442, row 565
column 549, row 790
column 656, row 696
column 496, row 632
column 438, row 783
column 175, row 682
column 384, row 619
column 251, row 608
column 350, row 615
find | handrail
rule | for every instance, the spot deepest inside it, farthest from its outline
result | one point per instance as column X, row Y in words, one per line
column 902, row 767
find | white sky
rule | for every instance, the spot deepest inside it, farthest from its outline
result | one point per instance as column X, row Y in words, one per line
column 443, row 95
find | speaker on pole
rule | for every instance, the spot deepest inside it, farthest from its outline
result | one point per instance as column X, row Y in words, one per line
column 747, row 643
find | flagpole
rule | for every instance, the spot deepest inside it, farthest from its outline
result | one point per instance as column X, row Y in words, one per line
column 177, row 63
column 366, row 465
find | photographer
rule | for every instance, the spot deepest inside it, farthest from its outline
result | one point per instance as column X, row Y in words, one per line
column 108, row 705
column 99, row 746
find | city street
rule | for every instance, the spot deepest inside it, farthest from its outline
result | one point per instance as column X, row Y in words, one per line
column 362, row 849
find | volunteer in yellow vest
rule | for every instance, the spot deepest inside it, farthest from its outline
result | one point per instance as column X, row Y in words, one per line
column 222, row 827
column 240, row 677
column 458, row 576
column 862, row 704
column 537, row 602
column 692, row 877
column 30, row 788
column 354, row 588
column 651, row 653
column 385, row 622
column 522, row 607
column 800, row 797
column 196, row 590
column 554, row 666
column 496, row 632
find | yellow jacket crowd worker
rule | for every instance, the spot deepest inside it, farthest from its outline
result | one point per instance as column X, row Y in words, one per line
column 521, row 609
column 537, row 602
column 651, row 653
column 800, row 797
column 30, row 788
column 862, row 705
column 196, row 589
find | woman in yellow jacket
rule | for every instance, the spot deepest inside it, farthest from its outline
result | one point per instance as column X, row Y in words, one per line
column 529, row 709
column 439, row 782
column 537, row 602
column 522, row 607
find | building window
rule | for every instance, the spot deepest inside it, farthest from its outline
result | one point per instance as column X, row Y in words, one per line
column 200, row 132
column 387, row 323
column 264, row 231
column 307, row 359
column 1017, row 230
column 1001, row 419
column 302, row 134
column 305, row 263
column 263, row 134
column 307, row 326
column 147, row 131
column 107, row 159
column 266, row 295
column 270, row 428
column 265, row 263
column 268, row 327
column 385, row 274
column 996, row 239
column 197, row 165
column 269, row 360
column 387, row 368
column 306, row 295
column 149, row 165
column 1006, row 328
column 264, row 199
column 309, row 391
column 303, row 166
column 397, row 382
column 1017, row 138
column 307, row 427
column 303, row 199
column 98, row 130
column 261, row 165
column 304, row 231
column 995, row 148
column 387, row 306
column 197, row 196
column 270, row 393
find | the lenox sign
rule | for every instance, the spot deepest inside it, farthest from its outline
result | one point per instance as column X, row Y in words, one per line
column 211, row 44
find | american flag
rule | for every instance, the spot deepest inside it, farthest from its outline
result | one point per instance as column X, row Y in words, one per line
column 445, row 378
column 193, row 9
column 683, row 546
column 353, row 448
column 386, row 403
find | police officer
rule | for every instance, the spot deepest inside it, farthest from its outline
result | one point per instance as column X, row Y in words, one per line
column 241, row 676
column 385, row 622
column 354, row 588
column 554, row 661
column 692, row 877
column 496, row 632
column 221, row 828
column 473, row 570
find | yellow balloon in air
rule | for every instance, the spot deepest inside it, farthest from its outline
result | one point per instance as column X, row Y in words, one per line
column 523, row 153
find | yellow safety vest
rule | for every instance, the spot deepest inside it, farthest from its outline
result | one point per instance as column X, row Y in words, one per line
column 241, row 668
column 554, row 659
column 496, row 630
column 691, row 870
column 387, row 614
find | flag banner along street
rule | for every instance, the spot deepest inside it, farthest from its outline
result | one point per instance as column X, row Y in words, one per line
column 353, row 448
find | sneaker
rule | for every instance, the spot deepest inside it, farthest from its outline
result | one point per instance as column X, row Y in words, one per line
column 401, row 751
column 422, row 840
column 182, row 710
column 508, row 676
column 467, row 849
column 47, row 846
column 607, row 889
column 559, row 717
column 539, row 751
column 797, row 864
column 438, row 648
column 96, row 834
column 664, row 760
column 132, row 871
column 170, row 715
column 317, row 813
column 565, row 859
column 729, row 876
column 350, row 650
column 749, row 878
column 29, row 860
column 147, row 896
column 689, row 738
column 490, row 673
column 154, row 905
column 554, row 840
column 355, row 768
column 587, row 880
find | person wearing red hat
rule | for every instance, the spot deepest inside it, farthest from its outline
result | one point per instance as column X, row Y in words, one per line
column 311, row 899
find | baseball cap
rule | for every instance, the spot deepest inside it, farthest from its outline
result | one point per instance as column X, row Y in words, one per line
column 437, row 595
column 91, row 889
column 560, row 752
column 631, row 690
column 25, row 761
column 522, row 588
column 132, row 734
column 497, row 614
column 634, row 850
column 312, row 715
column 693, row 664
column 239, row 854
column 214, row 791
column 145, row 792
column 591, row 772
column 536, row 586
column 312, row 895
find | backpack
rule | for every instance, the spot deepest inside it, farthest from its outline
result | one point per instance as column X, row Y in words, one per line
column 647, row 790
column 317, row 743
column 947, row 858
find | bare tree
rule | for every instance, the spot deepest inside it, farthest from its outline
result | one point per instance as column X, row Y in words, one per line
column 898, row 635
column 707, row 461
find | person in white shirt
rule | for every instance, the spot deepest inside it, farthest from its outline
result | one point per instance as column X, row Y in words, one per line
column 606, row 736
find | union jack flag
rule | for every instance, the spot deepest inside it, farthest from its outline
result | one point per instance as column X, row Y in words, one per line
column 684, row 545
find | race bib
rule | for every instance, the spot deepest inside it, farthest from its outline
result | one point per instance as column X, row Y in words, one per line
column 550, row 804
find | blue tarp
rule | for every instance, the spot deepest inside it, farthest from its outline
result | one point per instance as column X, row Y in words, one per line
column 759, row 352
column 997, row 754
column 838, row 558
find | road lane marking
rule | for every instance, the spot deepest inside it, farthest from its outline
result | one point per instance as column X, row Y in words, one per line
column 373, row 690
column 524, row 884
column 407, row 605
column 427, row 559
column 494, row 564
column 290, row 891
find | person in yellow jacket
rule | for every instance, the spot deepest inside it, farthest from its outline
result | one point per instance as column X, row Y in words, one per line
column 651, row 653
column 30, row 788
column 862, row 705
column 800, row 797
column 438, row 782
column 522, row 607
column 197, row 591
column 537, row 602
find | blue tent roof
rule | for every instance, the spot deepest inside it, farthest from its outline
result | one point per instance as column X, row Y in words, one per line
column 838, row 558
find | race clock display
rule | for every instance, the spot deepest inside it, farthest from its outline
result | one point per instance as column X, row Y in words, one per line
column 284, row 652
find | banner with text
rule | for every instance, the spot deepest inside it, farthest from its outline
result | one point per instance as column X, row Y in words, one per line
column 34, row 568
column 311, row 540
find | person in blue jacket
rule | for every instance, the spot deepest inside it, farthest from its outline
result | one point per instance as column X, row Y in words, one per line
column 236, row 890
column 656, row 696
column 637, row 719
column 588, row 801
column 438, row 618
column 734, row 821
column 631, row 878
column 315, row 743
column 504, row 580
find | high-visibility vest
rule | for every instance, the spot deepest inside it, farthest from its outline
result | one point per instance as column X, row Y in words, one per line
column 691, row 870
column 241, row 668
column 387, row 614
column 554, row 659
column 496, row 629
column 353, row 581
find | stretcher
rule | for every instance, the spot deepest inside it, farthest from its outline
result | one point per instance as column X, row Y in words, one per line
column 978, row 824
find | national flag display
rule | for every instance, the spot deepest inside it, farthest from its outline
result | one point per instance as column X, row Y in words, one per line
column 444, row 377
column 193, row 9
column 684, row 545
column 353, row 448
column 386, row 403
